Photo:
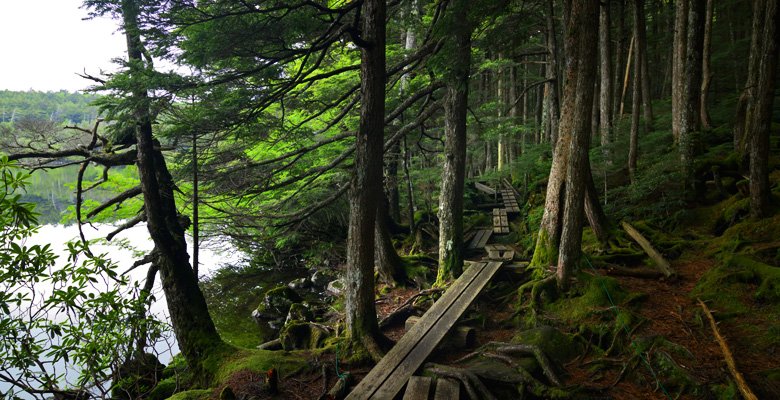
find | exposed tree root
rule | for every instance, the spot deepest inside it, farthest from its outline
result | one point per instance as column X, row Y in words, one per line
column 467, row 377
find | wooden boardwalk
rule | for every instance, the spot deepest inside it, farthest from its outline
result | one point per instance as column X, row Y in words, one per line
column 500, row 221
column 480, row 239
column 487, row 189
column 394, row 370
column 510, row 200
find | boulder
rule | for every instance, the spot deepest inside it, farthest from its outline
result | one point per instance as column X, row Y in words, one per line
column 299, row 312
column 276, row 304
column 302, row 336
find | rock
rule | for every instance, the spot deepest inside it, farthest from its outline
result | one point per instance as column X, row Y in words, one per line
column 556, row 345
column 321, row 278
column 300, row 283
column 336, row 287
column 299, row 312
column 302, row 336
column 276, row 304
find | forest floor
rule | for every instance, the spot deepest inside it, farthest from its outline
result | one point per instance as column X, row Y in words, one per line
column 659, row 308
column 670, row 312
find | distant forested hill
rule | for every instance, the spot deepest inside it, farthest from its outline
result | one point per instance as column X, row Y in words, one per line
column 62, row 106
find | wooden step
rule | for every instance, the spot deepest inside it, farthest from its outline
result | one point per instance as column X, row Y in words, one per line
column 418, row 388
column 500, row 221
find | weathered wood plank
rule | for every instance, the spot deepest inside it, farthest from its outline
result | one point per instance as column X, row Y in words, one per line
column 480, row 239
column 418, row 388
column 487, row 189
column 496, row 247
column 391, row 373
column 485, row 238
column 447, row 390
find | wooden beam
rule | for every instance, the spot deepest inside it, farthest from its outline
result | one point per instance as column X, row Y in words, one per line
column 447, row 389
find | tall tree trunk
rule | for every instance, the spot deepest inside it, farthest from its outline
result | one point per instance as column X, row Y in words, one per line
column 553, row 107
column 637, row 92
column 641, row 60
column 605, row 98
column 706, row 120
column 747, row 100
column 582, row 39
column 690, row 121
column 620, row 38
column 760, row 194
column 366, row 188
column 678, row 65
column 195, row 332
column 453, row 170
column 409, row 197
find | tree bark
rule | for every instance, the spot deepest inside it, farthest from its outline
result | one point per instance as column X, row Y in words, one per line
column 690, row 121
column 454, row 168
column 605, row 98
column 706, row 120
column 760, row 193
column 637, row 90
column 747, row 100
column 553, row 113
column 641, row 60
column 619, row 51
column 582, row 39
column 678, row 64
column 388, row 262
column 362, row 324
column 195, row 332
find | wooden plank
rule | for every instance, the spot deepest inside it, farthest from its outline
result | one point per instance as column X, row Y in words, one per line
column 496, row 247
column 480, row 238
column 418, row 388
column 391, row 373
column 447, row 390
column 485, row 238
column 659, row 260
column 484, row 188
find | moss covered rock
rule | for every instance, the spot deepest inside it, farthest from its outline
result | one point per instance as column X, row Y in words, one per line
column 276, row 303
column 302, row 336
column 299, row 312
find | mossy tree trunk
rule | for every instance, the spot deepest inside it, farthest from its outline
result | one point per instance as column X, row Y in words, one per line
column 581, row 41
column 553, row 113
column 454, row 168
column 366, row 188
column 195, row 332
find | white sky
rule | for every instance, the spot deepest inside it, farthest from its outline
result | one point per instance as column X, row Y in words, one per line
column 44, row 43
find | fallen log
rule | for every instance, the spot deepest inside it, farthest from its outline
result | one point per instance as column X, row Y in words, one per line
column 741, row 383
column 659, row 260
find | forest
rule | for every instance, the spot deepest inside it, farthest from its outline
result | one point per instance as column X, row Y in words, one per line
column 613, row 164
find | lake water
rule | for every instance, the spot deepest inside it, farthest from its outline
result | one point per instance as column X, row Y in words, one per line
column 53, row 198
